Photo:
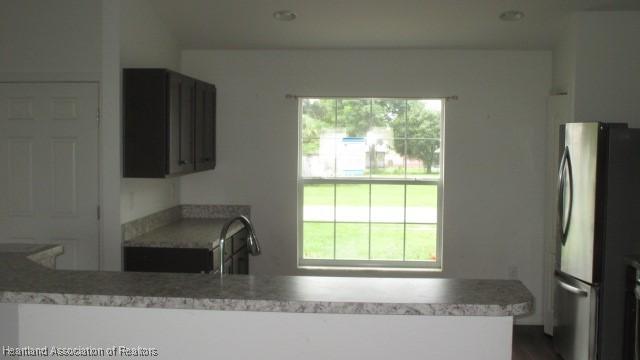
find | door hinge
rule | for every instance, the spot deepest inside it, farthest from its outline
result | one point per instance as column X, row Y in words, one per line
column 98, row 212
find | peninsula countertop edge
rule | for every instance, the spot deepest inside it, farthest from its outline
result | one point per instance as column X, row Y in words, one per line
column 24, row 281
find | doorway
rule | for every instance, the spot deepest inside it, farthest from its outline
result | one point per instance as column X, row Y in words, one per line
column 49, row 168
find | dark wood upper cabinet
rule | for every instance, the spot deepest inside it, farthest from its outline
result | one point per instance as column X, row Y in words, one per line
column 205, row 125
column 169, row 124
column 181, row 124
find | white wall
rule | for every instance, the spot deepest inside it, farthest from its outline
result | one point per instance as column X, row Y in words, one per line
column 495, row 146
column 110, row 130
column 597, row 61
column 145, row 41
column 207, row 334
column 564, row 59
column 72, row 40
column 10, row 329
column 607, row 78
column 50, row 36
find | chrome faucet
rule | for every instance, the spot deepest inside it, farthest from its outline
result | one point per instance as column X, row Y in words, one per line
column 252, row 242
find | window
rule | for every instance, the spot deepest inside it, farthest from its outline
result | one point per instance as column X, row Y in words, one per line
column 370, row 182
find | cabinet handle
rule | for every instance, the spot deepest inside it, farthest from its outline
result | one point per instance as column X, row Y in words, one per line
column 206, row 159
column 182, row 162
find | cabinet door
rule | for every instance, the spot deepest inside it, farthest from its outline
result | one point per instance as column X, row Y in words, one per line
column 172, row 260
column 228, row 266
column 241, row 262
column 205, row 123
column 181, row 124
column 145, row 132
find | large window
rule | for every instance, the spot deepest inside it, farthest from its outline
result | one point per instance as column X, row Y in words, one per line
column 370, row 182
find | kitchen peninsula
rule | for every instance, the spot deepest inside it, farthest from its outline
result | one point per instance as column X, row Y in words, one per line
column 192, row 315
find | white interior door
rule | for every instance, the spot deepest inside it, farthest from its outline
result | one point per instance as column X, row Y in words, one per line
column 49, row 168
column 558, row 112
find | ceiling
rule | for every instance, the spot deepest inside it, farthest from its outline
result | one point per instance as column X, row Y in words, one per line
column 249, row 24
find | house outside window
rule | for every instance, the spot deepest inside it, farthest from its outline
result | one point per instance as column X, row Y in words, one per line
column 370, row 182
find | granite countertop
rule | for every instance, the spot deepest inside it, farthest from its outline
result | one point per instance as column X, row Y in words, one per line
column 185, row 233
column 43, row 254
column 24, row 281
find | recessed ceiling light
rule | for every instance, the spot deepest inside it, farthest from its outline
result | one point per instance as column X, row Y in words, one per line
column 512, row 15
column 284, row 15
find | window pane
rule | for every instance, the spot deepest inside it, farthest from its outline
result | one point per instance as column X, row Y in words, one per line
column 351, row 157
column 388, row 117
column 423, row 119
column 318, row 117
column 387, row 241
column 318, row 157
column 370, row 140
column 386, row 158
column 422, row 204
column 387, row 203
column 318, row 240
column 423, row 123
column 352, row 241
column 423, row 159
column 421, row 242
column 352, row 203
column 318, row 202
column 354, row 117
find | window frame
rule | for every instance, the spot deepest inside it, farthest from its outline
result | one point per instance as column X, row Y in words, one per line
column 337, row 264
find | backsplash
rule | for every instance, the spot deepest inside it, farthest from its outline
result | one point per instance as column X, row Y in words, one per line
column 148, row 223
column 215, row 211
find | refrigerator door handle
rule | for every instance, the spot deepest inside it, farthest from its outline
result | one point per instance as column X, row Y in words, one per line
column 565, row 163
column 572, row 289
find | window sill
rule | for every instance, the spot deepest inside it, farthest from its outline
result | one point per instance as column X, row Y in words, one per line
column 371, row 269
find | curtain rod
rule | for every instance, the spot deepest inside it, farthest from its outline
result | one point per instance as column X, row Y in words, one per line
column 447, row 98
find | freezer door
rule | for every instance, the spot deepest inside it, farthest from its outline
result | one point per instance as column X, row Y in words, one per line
column 577, row 199
column 574, row 332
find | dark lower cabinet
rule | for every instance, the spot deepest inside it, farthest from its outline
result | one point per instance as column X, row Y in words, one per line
column 183, row 260
column 631, row 316
column 228, row 266
column 169, row 124
column 240, row 263
column 173, row 260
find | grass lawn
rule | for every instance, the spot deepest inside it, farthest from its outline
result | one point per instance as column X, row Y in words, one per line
column 352, row 241
column 388, row 241
column 381, row 195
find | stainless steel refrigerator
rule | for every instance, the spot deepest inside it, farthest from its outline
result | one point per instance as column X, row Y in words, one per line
column 598, row 224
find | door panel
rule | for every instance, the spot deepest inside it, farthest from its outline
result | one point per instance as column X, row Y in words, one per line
column 575, row 319
column 577, row 249
column 20, row 176
column 65, row 191
column 49, row 168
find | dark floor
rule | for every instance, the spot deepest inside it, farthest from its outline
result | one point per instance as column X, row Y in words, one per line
column 531, row 343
